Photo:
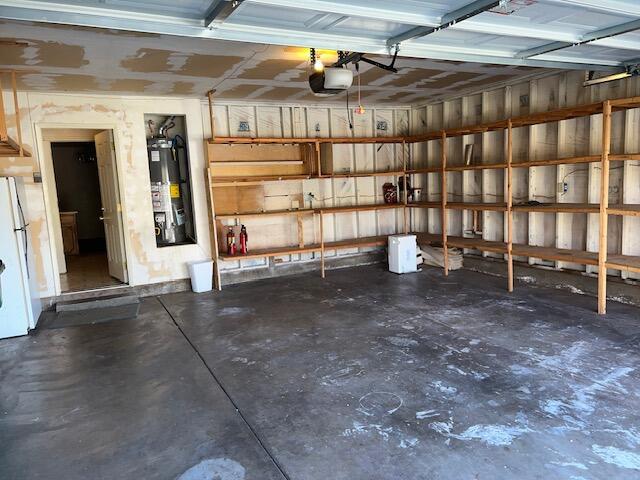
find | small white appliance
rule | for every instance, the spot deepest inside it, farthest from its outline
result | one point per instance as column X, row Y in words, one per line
column 20, row 305
column 402, row 253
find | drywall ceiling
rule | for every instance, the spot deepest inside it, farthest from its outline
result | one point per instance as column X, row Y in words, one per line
column 481, row 31
column 51, row 57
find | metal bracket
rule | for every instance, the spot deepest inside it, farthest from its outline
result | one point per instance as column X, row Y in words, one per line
column 354, row 57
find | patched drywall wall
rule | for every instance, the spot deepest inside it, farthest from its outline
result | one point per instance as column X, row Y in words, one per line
column 125, row 115
column 146, row 263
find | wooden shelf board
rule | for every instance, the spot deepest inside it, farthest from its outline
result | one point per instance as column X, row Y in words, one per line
column 556, row 254
column 495, row 207
column 559, row 208
column 259, row 141
column 270, row 252
column 546, row 253
column 486, row 166
column 424, row 170
column 239, row 181
column 302, row 211
column 424, row 205
column 359, row 208
column 254, row 163
column 292, row 250
column 626, row 263
column 292, row 140
column 464, row 242
column 363, row 174
column 628, row 209
column 357, row 243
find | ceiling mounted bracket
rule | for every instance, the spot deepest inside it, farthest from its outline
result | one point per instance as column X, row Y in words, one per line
column 353, row 57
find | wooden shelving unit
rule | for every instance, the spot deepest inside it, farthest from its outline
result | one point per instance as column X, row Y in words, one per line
column 313, row 160
column 8, row 146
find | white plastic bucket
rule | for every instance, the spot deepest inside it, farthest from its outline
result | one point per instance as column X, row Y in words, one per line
column 201, row 276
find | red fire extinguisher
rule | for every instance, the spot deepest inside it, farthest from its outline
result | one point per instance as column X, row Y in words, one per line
column 231, row 242
column 244, row 238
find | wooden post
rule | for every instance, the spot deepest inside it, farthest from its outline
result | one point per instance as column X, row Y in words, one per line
column 318, row 160
column 321, row 244
column 604, row 205
column 405, row 200
column 210, row 97
column 17, row 111
column 3, row 122
column 443, row 187
column 215, row 252
column 300, row 231
column 509, row 206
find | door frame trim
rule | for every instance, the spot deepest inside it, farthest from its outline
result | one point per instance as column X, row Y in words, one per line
column 49, row 188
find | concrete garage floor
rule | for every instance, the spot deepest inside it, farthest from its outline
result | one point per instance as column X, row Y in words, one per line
column 365, row 375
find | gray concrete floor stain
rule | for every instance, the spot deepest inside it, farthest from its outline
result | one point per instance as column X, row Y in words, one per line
column 366, row 375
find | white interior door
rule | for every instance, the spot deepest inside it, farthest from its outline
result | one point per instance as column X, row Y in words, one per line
column 111, row 209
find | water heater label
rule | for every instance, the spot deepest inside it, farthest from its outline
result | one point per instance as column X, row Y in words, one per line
column 155, row 155
column 175, row 190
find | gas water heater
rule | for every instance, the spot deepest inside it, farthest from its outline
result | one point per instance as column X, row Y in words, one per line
column 170, row 189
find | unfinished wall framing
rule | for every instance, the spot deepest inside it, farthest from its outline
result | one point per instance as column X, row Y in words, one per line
column 492, row 193
column 292, row 213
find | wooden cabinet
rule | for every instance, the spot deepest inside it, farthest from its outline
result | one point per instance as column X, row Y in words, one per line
column 69, row 225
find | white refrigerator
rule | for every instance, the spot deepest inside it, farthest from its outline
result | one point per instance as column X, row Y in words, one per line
column 20, row 305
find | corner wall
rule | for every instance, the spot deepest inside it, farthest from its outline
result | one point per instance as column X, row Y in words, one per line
column 581, row 136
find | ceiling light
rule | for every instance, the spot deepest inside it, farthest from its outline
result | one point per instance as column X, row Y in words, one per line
column 630, row 71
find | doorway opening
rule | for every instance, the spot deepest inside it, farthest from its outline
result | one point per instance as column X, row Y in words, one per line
column 90, row 243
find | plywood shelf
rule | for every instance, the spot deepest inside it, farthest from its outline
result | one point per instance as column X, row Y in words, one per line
column 301, row 140
column 625, row 263
column 270, row 252
column 362, row 242
column 463, row 242
column 308, row 211
column 558, row 208
column 363, row 174
column 529, row 163
column 632, row 210
column 494, row 207
column 240, row 181
column 424, row 205
column 266, row 213
column 359, row 208
column 556, row 254
column 423, row 170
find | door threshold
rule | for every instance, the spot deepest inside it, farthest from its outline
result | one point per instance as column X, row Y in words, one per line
column 95, row 290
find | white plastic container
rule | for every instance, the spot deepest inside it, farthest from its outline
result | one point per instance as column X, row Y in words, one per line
column 201, row 276
column 402, row 253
